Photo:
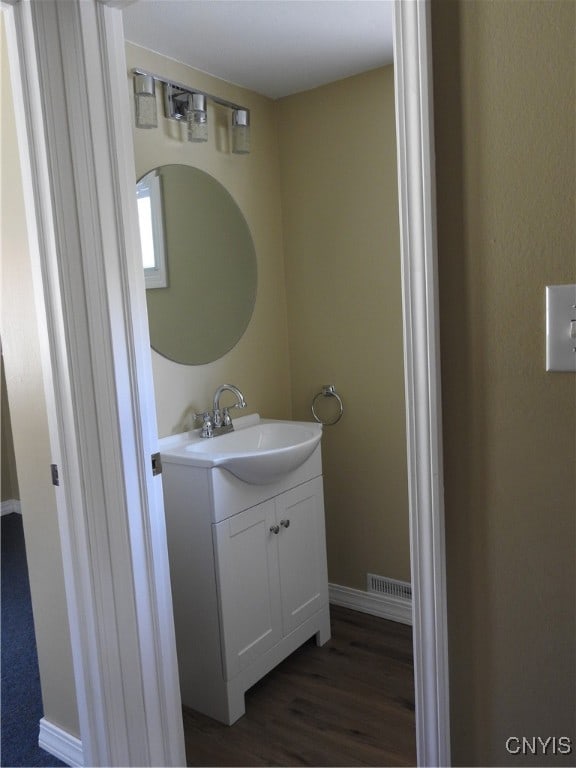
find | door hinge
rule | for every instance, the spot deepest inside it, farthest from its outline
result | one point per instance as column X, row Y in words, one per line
column 54, row 473
column 156, row 464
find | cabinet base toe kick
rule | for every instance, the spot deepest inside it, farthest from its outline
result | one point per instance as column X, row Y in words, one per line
column 225, row 701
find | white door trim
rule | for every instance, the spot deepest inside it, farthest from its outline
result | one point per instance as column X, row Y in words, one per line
column 69, row 78
column 79, row 177
column 416, row 182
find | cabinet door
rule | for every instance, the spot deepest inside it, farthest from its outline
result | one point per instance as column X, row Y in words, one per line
column 247, row 573
column 302, row 553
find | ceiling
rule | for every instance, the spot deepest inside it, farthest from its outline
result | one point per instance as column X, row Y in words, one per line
column 273, row 47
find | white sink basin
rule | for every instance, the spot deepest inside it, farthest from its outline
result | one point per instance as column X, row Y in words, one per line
column 258, row 453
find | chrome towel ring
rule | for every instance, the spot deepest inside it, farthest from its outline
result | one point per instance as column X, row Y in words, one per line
column 328, row 390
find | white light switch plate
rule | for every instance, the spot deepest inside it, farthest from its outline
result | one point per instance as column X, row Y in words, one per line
column 561, row 328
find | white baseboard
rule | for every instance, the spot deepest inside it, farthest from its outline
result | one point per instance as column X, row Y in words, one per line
column 9, row 506
column 60, row 744
column 385, row 606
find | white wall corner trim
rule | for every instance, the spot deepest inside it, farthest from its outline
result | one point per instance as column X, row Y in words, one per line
column 9, row 506
column 384, row 606
column 60, row 744
column 416, row 182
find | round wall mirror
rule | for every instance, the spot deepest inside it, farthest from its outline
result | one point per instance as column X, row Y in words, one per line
column 199, row 262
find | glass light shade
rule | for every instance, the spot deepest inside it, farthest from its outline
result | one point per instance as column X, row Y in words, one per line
column 241, row 132
column 197, row 118
column 145, row 101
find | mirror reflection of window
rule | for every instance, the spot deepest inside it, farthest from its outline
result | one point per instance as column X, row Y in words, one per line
column 212, row 267
column 149, row 197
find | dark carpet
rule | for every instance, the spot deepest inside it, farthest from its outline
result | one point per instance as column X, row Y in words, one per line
column 21, row 705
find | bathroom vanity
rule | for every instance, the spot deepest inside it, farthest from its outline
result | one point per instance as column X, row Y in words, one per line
column 247, row 559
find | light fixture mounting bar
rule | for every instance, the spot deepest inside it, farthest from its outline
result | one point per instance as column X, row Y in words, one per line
column 176, row 96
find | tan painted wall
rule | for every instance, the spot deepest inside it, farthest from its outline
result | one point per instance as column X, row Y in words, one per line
column 341, row 239
column 505, row 139
column 331, row 207
column 259, row 363
column 21, row 352
column 8, row 477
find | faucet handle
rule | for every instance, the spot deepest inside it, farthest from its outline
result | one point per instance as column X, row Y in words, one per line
column 242, row 404
column 226, row 418
column 207, row 425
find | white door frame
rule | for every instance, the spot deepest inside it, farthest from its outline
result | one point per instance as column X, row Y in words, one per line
column 417, row 185
column 69, row 80
column 71, row 102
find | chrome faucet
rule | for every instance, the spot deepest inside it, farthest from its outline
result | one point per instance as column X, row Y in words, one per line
column 224, row 418
column 218, row 420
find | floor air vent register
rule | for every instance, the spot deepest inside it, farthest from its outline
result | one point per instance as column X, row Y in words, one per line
column 391, row 587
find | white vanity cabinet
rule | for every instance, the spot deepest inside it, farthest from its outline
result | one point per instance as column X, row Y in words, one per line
column 270, row 571
column 249, row 577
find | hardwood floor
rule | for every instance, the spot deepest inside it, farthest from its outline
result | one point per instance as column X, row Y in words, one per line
column 348, row 703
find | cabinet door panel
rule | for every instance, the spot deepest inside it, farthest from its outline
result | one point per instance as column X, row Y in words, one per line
column 247, row 573
column 302, row 553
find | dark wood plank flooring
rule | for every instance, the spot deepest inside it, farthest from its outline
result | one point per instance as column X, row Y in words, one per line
column 348, row 703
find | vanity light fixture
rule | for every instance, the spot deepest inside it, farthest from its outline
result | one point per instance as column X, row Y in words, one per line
column 145, row 101
column 240, row 131
column 197, row 117
column 184, row 103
